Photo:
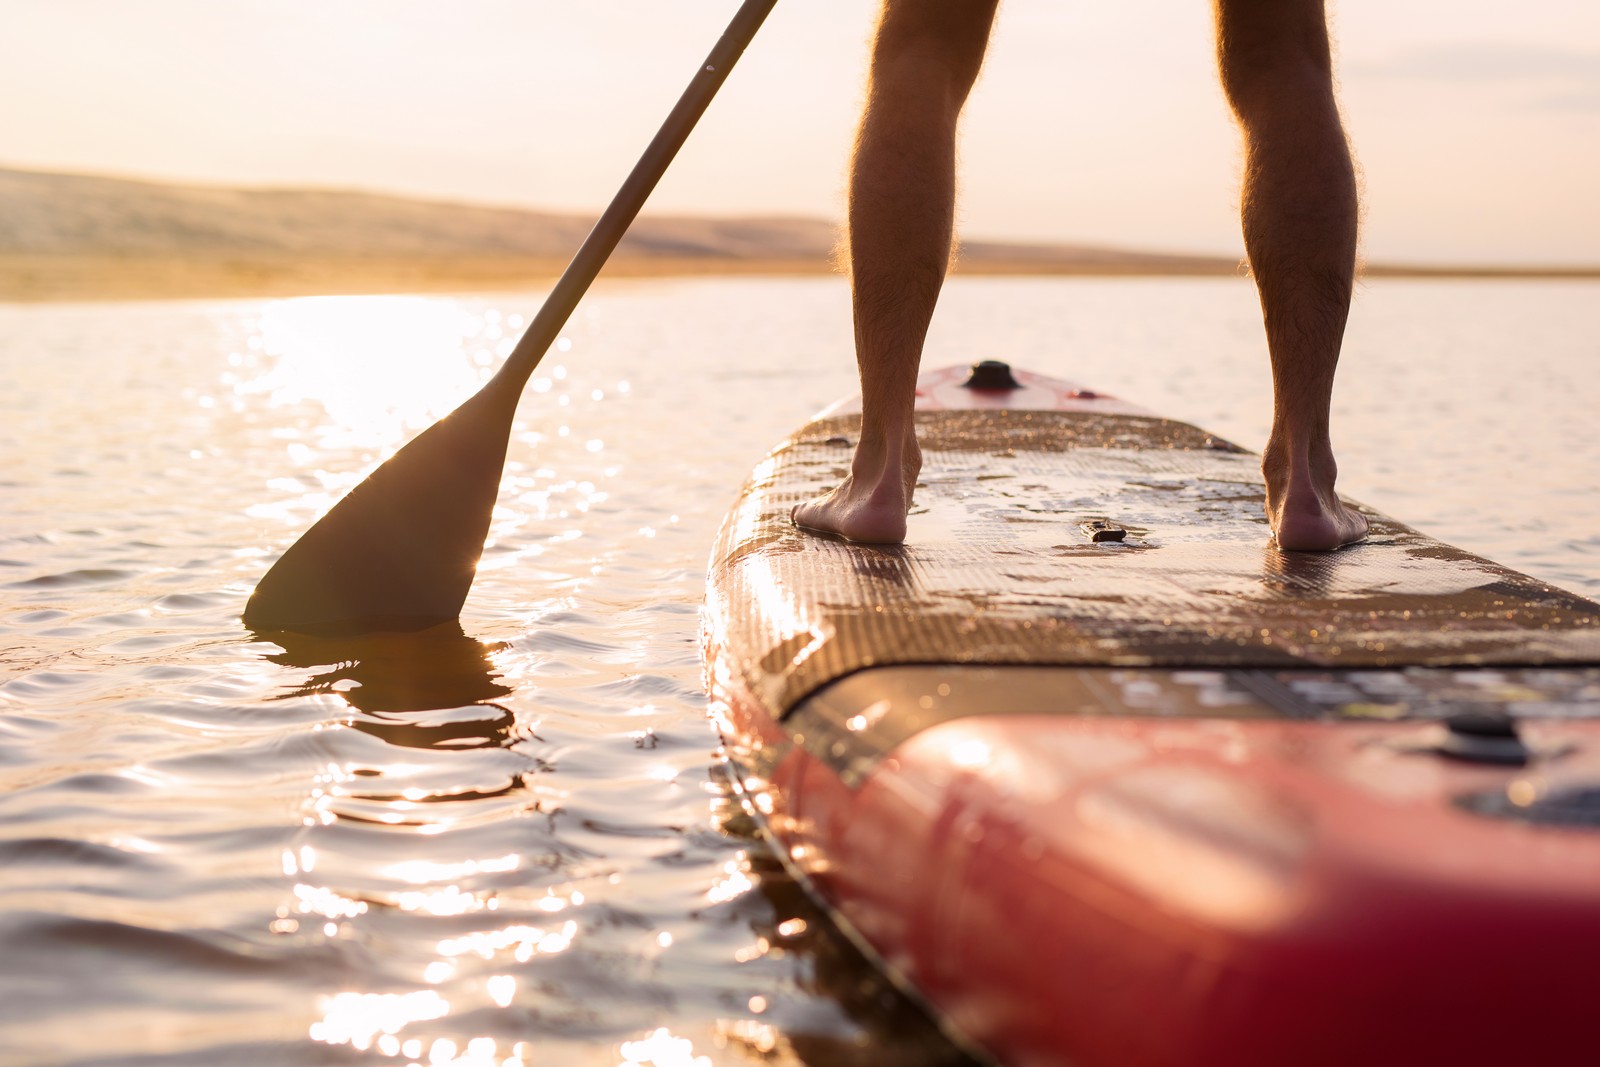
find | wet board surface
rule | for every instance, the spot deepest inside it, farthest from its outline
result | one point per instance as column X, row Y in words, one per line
column 997, row 568
column 1062, row 786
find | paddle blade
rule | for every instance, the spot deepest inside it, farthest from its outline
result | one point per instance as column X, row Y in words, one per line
column 400, row 551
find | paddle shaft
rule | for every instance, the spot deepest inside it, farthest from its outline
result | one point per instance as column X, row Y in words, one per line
column 614, row 222
column 400, row 550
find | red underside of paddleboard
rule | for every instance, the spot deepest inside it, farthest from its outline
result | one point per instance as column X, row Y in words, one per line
column 1114, row 888
column 1213, row 896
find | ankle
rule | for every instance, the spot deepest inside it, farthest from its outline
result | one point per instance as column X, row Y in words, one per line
column 1287, row 461
column 886, row 452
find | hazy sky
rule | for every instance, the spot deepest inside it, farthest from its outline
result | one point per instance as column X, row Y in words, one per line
column 1477, row 125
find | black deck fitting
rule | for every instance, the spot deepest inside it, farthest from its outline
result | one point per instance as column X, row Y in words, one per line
column 1483, row 737
column 991, row 375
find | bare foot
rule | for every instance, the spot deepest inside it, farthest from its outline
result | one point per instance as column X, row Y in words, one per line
column 1318, row 528
column 1305, row 513
column 871, row 504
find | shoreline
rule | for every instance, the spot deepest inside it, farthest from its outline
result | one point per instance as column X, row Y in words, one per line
column 58, row 279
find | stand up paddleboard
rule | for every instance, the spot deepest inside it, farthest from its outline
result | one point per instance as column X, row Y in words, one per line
column 1110, row 781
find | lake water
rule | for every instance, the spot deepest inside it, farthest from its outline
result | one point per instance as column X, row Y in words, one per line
column 513, row 843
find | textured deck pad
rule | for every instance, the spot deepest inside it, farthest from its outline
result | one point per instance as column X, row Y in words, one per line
column 998, row 571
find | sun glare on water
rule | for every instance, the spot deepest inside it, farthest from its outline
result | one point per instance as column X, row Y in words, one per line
column 382, row 367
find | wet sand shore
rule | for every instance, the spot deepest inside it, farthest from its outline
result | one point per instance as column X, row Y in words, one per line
column 30, row 279
column 51, row 278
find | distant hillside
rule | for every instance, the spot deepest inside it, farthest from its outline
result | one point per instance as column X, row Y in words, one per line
column 70, row 214
column 73, row 236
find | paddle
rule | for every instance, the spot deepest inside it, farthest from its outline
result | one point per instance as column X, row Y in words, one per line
column 400, row 551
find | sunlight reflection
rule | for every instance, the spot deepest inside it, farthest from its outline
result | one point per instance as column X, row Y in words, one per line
column 129, row 843
column 970, row 753
column 502, row 989
column 426, row 872
column 381, row 366
column 736, row 882
column 662, row 1049
column 1200, row 843
column 325, row 902
column 524, row 941
column 446, row 900
column 374, row 1021
column 356, row 1019
column 753, row 951
column 758, row 1037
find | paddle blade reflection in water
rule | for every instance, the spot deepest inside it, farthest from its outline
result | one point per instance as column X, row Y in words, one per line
column 436, row 668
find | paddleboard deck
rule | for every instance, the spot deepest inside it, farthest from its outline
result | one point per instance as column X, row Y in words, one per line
column 1108, row 779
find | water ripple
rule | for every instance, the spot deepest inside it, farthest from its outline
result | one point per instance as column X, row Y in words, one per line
column 510, row 839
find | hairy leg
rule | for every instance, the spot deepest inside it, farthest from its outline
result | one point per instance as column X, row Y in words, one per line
column 925, row 59
column 1300, row 213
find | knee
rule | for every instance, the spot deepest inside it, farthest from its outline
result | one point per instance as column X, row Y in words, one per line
column 1274, row 57
column 941, row 40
